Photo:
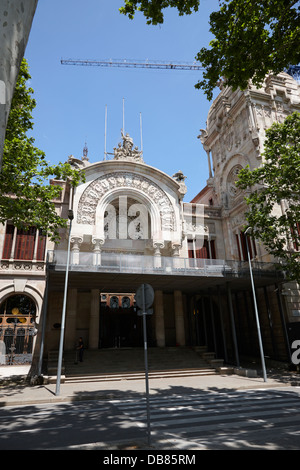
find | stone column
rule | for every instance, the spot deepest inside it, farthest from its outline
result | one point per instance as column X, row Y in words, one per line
column 70, row 330
column 97, row 242
column 157, row 245
column 209, row 163
column 177, row 262
column 159, row 319
column 179, row 318
column 94, row 319
column 236, row 352
column 75, row 249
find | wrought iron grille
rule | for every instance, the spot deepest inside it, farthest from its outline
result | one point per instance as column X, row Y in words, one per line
column 17, row 329
column 16, row 345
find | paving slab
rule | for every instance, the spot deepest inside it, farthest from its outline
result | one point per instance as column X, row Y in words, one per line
column 16, row 392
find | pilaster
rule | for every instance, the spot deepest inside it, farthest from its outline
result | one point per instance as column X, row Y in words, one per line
column 159, row 319
column 94, row 319
column 70, row 330
column 179, row 318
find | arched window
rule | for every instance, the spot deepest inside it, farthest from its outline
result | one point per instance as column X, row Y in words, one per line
column 125, row 302
column 114, row 302
column 125, row 218
column 17, row 317
column 20, row 307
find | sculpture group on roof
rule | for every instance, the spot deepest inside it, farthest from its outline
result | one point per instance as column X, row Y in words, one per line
column 126, row 151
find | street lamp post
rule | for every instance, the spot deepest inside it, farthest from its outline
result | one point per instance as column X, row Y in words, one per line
column 256, row 311
column 62, row 329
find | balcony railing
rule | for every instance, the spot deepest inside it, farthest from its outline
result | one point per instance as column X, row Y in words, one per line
column 143, row 264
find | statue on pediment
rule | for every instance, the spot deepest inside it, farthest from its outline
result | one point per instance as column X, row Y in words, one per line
column 126, row 151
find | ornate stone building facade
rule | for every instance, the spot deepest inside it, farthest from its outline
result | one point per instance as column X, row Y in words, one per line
column 234, row 137
column 132, row 226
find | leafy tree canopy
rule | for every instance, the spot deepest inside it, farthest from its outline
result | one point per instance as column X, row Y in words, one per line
column 274, row 200
column 251, row 38
column 26, row 196
column 153, row 9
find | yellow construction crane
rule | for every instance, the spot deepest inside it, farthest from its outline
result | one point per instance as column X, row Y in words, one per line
column 133, row 64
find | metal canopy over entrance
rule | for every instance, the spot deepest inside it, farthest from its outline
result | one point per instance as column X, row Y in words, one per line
column 119, row 282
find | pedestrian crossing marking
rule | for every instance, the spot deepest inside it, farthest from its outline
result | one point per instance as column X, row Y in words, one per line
column 198, row 415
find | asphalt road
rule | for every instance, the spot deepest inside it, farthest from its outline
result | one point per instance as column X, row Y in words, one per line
column 205, row 420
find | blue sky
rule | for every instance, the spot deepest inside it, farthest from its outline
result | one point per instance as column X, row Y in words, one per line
column 71, row 100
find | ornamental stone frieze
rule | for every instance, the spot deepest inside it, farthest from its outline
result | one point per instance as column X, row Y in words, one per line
column 97, row 190
column 13, row 265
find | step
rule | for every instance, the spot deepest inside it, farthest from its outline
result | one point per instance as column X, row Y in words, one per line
column 52, row 370
column 52, row 363
column 140, row 376
column 129, row 364
column 208, row 356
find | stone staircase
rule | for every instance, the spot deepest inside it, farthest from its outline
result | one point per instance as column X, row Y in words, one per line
column 129, row 364
column 52, row 363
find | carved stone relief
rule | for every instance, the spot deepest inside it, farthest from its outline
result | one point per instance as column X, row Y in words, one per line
column 232, row 189
column 264, row 115
column 238, row 220
column 125, row 180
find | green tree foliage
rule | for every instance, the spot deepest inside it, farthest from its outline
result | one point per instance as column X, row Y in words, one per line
column 153, row 9
column 26, row 196
column 274, row 200
column 251, row 38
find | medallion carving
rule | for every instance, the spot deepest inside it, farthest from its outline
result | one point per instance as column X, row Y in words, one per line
column 233, row 190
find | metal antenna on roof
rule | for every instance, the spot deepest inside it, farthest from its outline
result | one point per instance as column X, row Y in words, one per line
column 141, row 132
column 105, row 129
column 123, row 118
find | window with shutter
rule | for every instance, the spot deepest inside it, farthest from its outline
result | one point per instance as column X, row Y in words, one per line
column 25, row 244
column 8, row 241
column 40, row 253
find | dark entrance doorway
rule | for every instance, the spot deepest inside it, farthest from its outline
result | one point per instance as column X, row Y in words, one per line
column 209, row 328
column 120, row 326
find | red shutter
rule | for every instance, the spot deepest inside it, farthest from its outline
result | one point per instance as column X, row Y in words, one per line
column 244, row 247
column 8, row 241
column 25, row 244
column 295, row 236
column 40, row 254
column 203, row 252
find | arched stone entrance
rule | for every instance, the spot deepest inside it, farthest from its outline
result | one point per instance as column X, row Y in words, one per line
column 17, row 328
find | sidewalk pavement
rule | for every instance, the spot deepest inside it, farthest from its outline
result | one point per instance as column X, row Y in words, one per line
column 18, row 392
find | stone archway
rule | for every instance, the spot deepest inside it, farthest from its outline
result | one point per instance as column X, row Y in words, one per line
column 17, row 327
column 126, row 217
column 105, row 188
